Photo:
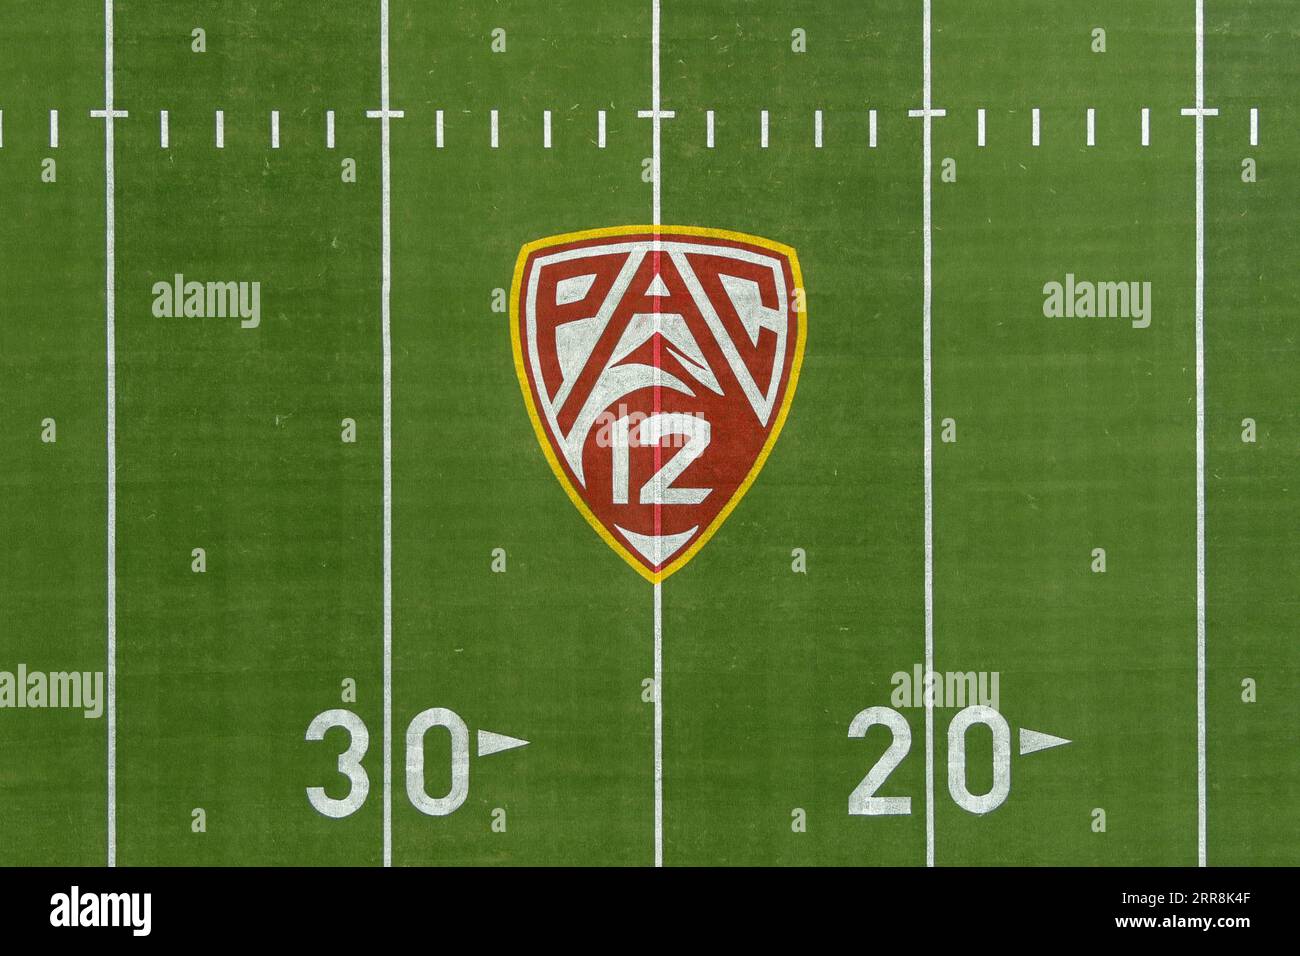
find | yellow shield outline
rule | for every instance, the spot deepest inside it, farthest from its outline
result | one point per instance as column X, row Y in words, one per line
column 540, row 430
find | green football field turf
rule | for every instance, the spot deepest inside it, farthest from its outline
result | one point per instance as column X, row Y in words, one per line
column 1064, row 450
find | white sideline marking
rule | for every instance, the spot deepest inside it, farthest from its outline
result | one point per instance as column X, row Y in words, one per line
column 109, row 114
column 871, row 129
column 164, row 132
column 329, row 129
column 1200, row 112
column 2, row 129
column 708, row 129
column 496, row 130
column 979, row 127
column 275, row 129
column 546, row 129
column 926, row 115
column 817, row 129
column 385, row 114
column 1092, row 126
column 1034, row 138
column 437, row 129
column 762, row 127
column 1146, row 126
column 221, row 130
column 54, row 129
column 1254, row 127
column 600, row 129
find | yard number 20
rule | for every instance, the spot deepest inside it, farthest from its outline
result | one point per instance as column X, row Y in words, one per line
column 863, row 800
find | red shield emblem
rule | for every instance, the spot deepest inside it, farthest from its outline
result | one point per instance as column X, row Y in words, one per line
column 657, row 366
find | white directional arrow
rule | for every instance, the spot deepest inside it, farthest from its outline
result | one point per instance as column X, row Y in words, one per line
column 1031, row 741
column 490, row 743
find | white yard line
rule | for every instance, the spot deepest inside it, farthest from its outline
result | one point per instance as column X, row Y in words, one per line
column 926, row 115
column 656, row 115
column 108, row 114
column 1200, row 112
column 657, row 162
column 659, row 722
column 385, row 115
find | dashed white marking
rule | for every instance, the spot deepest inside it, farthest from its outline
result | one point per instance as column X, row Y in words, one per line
column 54, row 129
column 1254, row 127
column 546, row 129
column 438, row 140
column 275, row 129
column 762, row 127
column 600, row 129
column 1146, row 126
column 2, row 129
column 1036, row 123
column 708, row 129
column 221, row 130
column 329, row 129
column 495, row 139
column 164, row 131
column 979, row 127
column 817, row 129
column 1092, row 126
column 871, row 129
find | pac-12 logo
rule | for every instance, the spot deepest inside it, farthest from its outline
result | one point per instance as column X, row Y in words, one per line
column 658, row 365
